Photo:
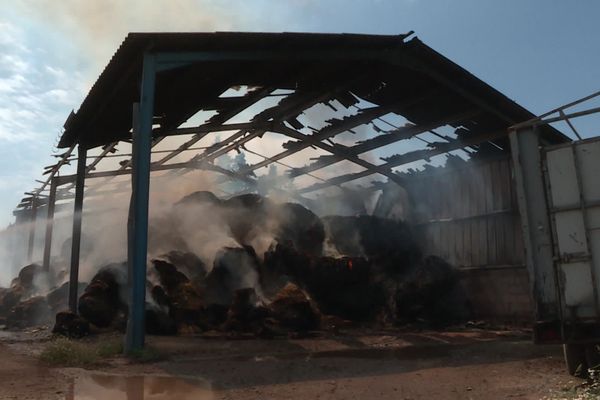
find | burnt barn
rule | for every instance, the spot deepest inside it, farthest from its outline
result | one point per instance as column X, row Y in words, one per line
column 275, row 183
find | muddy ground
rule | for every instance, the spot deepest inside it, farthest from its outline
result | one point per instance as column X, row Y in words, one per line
column 455, row 364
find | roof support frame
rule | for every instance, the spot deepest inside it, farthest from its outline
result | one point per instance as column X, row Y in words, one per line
column 408, row 158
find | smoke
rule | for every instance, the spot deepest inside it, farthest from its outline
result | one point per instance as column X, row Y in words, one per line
column 97, row 27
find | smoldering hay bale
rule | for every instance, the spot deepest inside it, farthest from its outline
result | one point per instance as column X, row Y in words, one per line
column 27, row 275
column 234, row 268
column 58, row 298
column 247, row 216
column 22, row 287
column 293, row 309
column 104, row 298
column 33, row 311
column 340, row 286
column 245, row 314
column 70, row 325
column 300, row 227
column 199, row 198
column 429, row 291
column 381, row 240
column 158, row 322
column 176, row 293
column 188, row 263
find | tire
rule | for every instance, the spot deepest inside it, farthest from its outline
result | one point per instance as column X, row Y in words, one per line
column 575, row 359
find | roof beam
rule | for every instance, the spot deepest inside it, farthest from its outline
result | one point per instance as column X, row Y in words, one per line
column 398, row 160
column 393, row 136
column 339, row 152
column 329, row 131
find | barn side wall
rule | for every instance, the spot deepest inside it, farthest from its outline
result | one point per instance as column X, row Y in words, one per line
column 468, row 215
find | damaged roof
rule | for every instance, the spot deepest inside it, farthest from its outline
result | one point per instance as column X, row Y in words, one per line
column 397, row 73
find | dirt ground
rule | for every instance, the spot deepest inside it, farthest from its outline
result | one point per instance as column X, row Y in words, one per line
column 461, row 364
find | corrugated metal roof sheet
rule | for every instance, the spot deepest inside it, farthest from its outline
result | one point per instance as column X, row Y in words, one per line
column 444, row 87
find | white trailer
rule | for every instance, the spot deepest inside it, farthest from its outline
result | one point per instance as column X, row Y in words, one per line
column 558, row 189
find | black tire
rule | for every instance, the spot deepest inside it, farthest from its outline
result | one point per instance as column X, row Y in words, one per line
column 575, row 359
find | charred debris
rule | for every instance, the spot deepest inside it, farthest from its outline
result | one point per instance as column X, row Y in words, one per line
column 378, row 91
column 317, row 274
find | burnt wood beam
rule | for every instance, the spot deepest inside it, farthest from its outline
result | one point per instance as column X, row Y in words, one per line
column 340, row 152
column 398, row 160
column 382, row 140
column 335, row 128
column 288, row 107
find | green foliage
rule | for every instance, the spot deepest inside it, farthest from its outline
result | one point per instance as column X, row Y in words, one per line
column 147, row 355
column 71, row 353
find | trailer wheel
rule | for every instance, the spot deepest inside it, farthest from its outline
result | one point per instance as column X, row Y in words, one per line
column 575, row 359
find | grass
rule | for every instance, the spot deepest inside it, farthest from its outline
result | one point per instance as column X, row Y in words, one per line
column 65, row 352
column 147, row 355
column 70, row 353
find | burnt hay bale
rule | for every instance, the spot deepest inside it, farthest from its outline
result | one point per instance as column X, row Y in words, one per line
column 201, row 197
column 300, row 227
column 58, row 298
column 30, row 312
column 430, row 292
column 382, row 240
column 340, row 286
column 247, row 216
column 292, row 309
column 234, row 268
column 103, row 299
column 27, row 275
column 70, row 325
column 187, row 263
column 178, row 295
column 158, row 322
column 244, row 315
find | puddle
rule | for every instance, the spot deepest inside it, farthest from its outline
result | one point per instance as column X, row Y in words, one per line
column 116, row 387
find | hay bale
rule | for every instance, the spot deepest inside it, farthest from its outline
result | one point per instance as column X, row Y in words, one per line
column 244, row 314
column 30, row 312
column 70, row 325
column 158, row 322
column 58, row 298
column 104, row 297
column 425, row 290
column 234, row 268
column 187, row 263
column 292, row 309
column 247, row 216
column 381, row 240
column 300, row 227
column 201, row 197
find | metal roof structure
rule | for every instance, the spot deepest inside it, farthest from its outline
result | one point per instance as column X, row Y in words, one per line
column 395, row 74
column 156, row 82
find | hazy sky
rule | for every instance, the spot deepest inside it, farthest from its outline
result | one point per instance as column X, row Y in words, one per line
column 541, row 53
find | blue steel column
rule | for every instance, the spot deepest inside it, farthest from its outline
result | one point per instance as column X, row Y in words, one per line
column 140, row 191
column 76, row 238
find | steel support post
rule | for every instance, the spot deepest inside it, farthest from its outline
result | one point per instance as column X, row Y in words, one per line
column 76, row 238
column 533, row 208
column 140, row 191
column 49, row 224
column 32, row 223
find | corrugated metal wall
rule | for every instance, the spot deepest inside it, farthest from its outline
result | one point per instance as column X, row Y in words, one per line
column 468, row 215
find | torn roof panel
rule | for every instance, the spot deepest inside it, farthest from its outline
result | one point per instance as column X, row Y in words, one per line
column 411, row 78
